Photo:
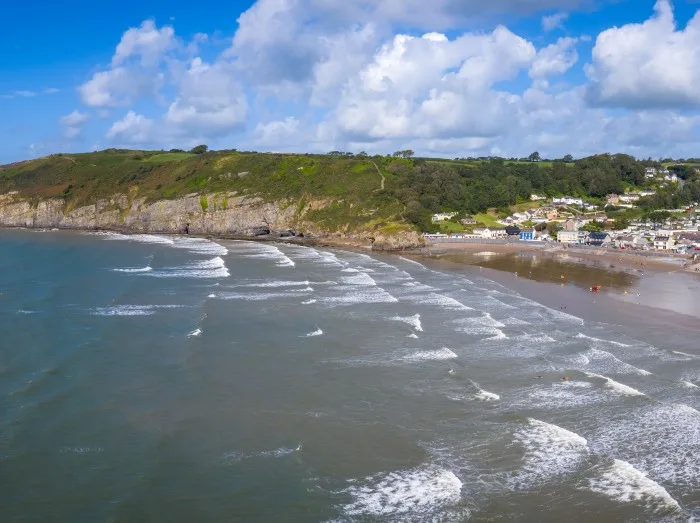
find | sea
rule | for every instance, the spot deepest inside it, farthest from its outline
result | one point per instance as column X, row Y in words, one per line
column 179, row 379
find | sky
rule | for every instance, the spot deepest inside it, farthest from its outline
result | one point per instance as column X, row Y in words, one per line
column 450, row 78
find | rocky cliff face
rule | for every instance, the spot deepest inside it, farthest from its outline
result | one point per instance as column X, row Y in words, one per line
column 211, row 214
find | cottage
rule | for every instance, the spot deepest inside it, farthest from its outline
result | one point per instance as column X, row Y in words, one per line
column 650, row 172
column 512, row 231
column 527, row 234
column 567, row 200
column 571, row 225
column 630, row 198
column 468, row 221
column 536, row 197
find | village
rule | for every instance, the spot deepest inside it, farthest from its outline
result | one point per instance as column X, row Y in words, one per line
column 572, row 221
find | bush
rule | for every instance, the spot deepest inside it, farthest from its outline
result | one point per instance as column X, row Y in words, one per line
column 200, row 149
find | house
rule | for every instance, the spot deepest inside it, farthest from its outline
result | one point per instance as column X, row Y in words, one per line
column 468, row 221
column 663, row 243
column 612, row 199
column 536, row 197
column 443, row 216
column 577, row 237
column 641, row 242
column 647, row 193
column 527, row 234
column 567, row 200
column 624, row 241
column 599, row 239
column 490, row 234
column 570, row 225
column 512, row 231
column 629, row 198
column 650, row 172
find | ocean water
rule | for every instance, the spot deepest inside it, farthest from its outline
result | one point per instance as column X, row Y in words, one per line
column 147, row 378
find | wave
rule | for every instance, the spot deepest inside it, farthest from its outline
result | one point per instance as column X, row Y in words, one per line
column 308, row 302
column 317, row 332
column 125, row 310
column 413, row 321
column 415, row 494
column 195, row 333
column 413, row 335
column 200, row 246
column 684, row 354
column 281, row 283
column 618, row 387
column 624, row 483
column 413, row 262
column 148, row 268
column 617, row 343
column 370, row 295
column 270, row 252
column 140, row 238
column 613, row 364
column 235, row 457
column 361, row 278
column 437, row 300
column 213, row 268
column 485, row 395
column 427, row 355
column 550, row 451
column 690, row 384
column 262, row 296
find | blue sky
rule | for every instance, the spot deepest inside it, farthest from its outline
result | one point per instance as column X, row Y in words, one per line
column 446, row 77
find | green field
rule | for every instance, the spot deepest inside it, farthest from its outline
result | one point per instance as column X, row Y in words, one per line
column 489, row 220
column 167, row 157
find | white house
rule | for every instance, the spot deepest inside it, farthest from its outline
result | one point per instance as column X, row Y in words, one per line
column 537, row 197
column 578, row 237
column 650, row 172
column 629, row 198
column 663, row 243
column 443, row 216
column 567, row 200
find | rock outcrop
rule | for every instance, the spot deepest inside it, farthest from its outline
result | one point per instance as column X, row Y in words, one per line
column 209, row 214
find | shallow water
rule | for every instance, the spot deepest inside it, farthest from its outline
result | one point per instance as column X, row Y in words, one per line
column 176, row 379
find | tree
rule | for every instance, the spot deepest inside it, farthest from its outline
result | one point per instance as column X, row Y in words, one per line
column 200, row 149
column 534, row 157
column 408, row 153
column 568, row 158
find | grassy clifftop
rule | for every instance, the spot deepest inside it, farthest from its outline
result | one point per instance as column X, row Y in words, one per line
column 337, row 193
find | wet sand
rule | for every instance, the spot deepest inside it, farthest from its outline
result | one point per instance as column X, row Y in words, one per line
column 660, row 299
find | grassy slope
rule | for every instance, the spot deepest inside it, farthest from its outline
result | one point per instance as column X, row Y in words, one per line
column 351, row 183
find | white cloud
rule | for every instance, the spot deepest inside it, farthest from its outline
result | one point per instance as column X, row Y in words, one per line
column 556, row 58
column 25, row 94
column 281, row 133
column 74, row 119
column 555, row 21
column 652, row 64
column 210, row 102
column 132, row 129
column 147, row 42
column 72, row 123
column 434, row 87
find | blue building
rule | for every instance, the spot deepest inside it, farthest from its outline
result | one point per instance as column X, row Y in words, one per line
column 527, row 234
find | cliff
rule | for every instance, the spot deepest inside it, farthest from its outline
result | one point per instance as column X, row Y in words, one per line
column 70, row 192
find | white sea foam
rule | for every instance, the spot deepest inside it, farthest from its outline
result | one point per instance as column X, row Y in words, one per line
column 361, row 295
column 270, row 252
column 689, row 384
column 618, row 387
column 550, row 451
column 200, row 246
column 427, row 355
column 81, row 450
column 413, row 321
column 135, row 270
column 624, row 483
column 262, row 296
column 317, row 332
column 213, row 268
column 140, row 238
column 485, row 395
column 235, row 457
column 195, row 333
column 685, row 354
column 606, row 362
column 277, row 283
column 617, row 343
column 409, row 495
column 308, row 302
column 660, row 439
column 413, row 262
column 437, row 300
column 126, row 310
column 211, row 296
column 361, row 278
column 413, row 335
